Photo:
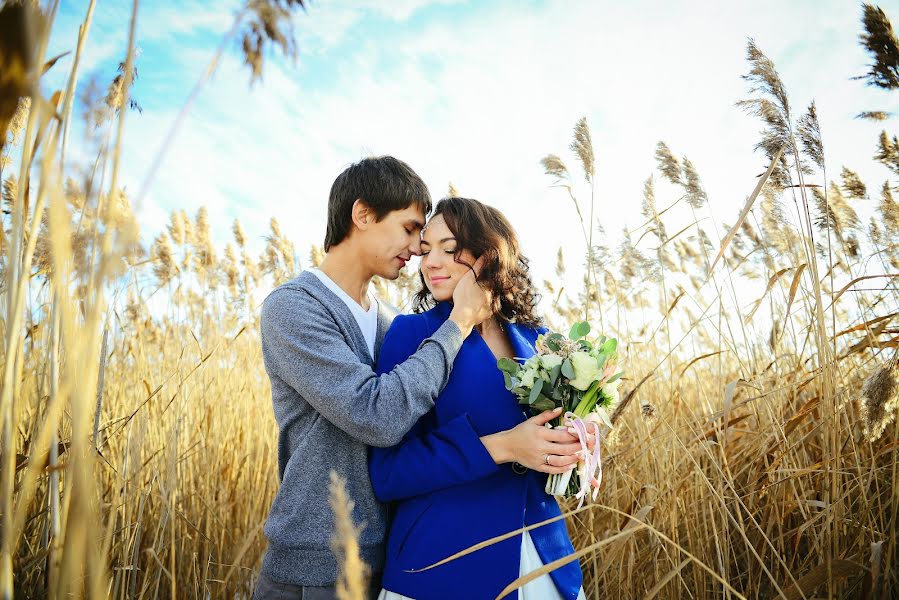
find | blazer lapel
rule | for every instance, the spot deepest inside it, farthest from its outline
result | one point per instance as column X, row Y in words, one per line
column 520, row 344
column 386, row 314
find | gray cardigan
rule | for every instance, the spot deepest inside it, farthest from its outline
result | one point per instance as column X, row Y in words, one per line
column 330, row 406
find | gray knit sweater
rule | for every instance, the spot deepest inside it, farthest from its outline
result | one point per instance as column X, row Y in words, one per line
column 330, row 406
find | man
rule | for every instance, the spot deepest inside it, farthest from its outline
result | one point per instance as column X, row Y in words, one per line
column 320, row 337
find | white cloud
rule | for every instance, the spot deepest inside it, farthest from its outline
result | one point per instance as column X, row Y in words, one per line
column 479, row 98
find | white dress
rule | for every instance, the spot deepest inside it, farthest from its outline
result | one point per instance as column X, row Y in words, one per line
column 541, row 588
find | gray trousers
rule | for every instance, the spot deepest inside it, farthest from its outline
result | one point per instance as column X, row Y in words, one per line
column 269, row 589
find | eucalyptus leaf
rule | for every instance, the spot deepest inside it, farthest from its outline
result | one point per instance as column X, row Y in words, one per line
column 554, row 374
column 543, row 403
column 579, row 330
column 615, row 377
column 535, row 391
column 508, row 365
column 601, row 360
column 567, row 369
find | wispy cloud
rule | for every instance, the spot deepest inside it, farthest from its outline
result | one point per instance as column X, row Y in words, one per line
column 477, row 93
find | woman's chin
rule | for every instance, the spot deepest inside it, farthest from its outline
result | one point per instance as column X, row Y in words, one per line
column 442, row 296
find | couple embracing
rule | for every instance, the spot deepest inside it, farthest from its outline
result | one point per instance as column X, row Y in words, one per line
column 411, row 409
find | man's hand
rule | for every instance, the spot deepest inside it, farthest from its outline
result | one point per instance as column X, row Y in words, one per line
column 472, row 304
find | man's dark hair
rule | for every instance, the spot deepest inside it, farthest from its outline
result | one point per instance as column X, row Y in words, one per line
column 384, row 183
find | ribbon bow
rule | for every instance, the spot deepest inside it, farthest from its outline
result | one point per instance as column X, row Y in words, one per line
column 592, row 461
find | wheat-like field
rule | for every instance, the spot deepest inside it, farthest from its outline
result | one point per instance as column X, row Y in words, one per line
column 754, row 453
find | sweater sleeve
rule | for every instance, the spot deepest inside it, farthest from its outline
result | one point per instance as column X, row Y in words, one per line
column 302, row 346
column 429, row 458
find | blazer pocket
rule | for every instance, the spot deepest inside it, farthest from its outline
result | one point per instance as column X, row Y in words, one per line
column 413, row 522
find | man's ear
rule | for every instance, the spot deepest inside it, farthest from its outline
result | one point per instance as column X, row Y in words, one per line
column 363, row 216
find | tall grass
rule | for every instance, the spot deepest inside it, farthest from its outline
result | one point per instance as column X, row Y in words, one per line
column 754, row 454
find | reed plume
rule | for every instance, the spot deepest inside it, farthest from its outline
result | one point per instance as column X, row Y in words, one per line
column 352, row 580
column 268, row 22
column 582, row 146
column 879, row 39
column 879, row 401
column 668, row 164
column 853, row 185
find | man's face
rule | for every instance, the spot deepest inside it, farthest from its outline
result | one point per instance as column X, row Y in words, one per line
column 389, row 243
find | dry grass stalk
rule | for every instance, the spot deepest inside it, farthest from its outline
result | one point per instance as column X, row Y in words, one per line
column 352, row 582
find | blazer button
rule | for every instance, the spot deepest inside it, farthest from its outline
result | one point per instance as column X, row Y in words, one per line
column 519, row 469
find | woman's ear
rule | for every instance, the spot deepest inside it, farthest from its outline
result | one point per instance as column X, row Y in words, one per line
column 361, row 214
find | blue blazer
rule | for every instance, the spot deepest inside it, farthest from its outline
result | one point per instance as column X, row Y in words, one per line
column 448, row 494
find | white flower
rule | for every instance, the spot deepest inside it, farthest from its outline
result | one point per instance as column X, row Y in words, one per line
column 551, row 361
column 527, row 377
column 586, row 370
column 599, row 416
column 610, row 390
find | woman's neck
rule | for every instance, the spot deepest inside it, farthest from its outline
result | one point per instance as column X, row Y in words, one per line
column 490, row 326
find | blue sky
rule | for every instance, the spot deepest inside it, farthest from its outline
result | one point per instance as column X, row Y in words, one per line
column 474, row 93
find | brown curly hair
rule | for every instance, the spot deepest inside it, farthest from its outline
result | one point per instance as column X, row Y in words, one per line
column 485, row 231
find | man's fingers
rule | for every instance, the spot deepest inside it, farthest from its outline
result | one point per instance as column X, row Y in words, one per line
column 478, row 265
column 546, row 416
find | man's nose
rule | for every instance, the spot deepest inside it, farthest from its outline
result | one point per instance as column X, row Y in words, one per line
column 415, row 247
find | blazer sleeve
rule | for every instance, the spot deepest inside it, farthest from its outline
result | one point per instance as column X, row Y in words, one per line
column 429, row 458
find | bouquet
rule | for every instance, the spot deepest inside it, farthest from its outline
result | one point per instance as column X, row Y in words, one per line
column 580, row 375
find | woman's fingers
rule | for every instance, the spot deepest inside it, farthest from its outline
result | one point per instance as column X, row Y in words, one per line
column 563, row 449
column 558, row 464
column 554, row 470
column 557, row 435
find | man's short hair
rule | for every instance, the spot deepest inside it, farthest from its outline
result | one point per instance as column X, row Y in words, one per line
column 384, row 183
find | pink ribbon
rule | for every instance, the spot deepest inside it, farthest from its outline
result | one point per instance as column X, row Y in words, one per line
column 592, row 462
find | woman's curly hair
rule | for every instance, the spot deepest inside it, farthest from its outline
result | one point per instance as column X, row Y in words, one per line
column 485, row 231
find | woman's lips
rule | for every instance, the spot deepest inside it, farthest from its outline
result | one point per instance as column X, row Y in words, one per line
column 438, row 280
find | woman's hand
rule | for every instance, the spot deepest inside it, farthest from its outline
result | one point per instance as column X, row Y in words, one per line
column 535, row 446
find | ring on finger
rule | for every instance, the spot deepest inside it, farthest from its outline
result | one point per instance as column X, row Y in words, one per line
column 546, row 459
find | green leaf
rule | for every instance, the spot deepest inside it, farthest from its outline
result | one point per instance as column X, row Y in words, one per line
column 554, row 374
column 567, row 369
column 508, row 380
column 615, row 377
column 535, row 391
column 507, row 365
column 579, row 330
column 543, row 403
column 609, row 346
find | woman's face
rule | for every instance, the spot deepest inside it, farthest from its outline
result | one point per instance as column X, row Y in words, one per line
column 439, row 268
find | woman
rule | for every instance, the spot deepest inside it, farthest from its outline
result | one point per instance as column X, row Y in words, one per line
column 475, row 466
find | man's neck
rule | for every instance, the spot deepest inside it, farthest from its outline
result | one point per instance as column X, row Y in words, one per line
column 345, row 269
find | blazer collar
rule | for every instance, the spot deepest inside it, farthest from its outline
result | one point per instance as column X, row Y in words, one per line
column 518, row 334
column 520, row 342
